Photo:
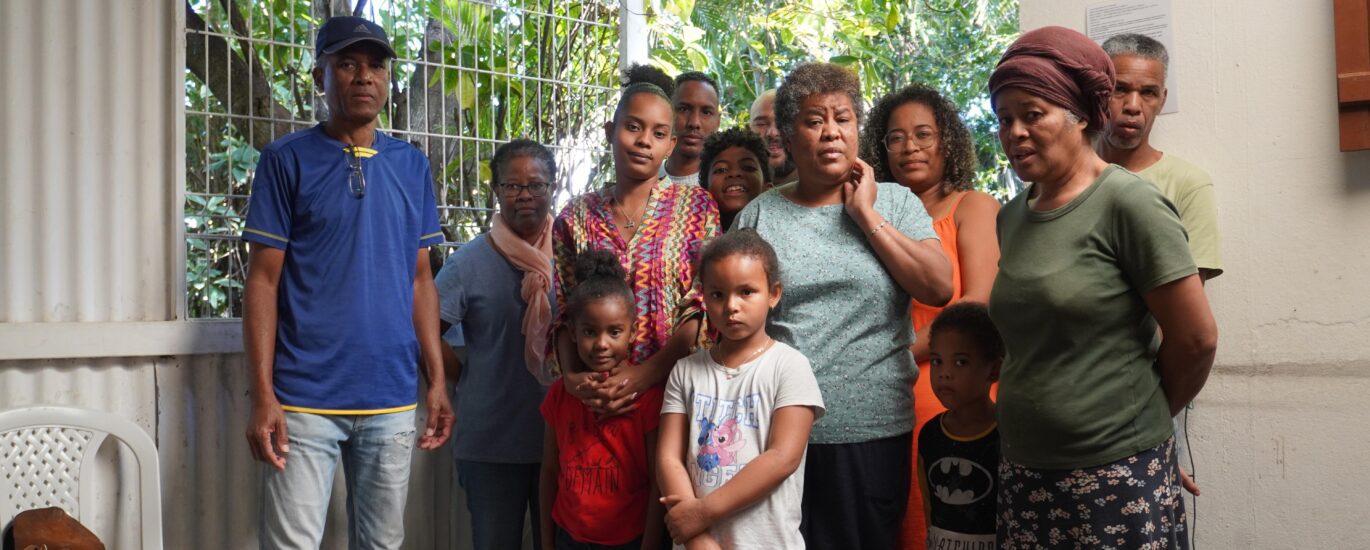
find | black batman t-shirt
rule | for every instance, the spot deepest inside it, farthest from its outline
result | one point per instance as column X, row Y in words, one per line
column 959, row 482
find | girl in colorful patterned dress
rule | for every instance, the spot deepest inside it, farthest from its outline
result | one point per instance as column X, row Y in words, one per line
column 655, row 229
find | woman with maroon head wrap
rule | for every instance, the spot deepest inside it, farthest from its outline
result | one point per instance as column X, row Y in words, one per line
column 1093, row 259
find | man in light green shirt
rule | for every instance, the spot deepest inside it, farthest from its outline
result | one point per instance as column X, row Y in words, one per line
column 1141, row 64
column 1139, row 94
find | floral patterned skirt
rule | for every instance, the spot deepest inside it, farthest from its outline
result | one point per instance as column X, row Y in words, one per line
column 1131, row 504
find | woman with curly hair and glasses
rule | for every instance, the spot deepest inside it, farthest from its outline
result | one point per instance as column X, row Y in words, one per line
column 856, row 252
column 915, row 137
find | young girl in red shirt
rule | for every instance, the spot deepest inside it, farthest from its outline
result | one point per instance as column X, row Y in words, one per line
column 597, row 489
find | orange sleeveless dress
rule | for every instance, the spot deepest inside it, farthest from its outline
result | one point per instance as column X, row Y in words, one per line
column 925, row 403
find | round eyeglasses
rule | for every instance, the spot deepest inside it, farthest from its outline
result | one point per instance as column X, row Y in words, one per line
column 897, row 141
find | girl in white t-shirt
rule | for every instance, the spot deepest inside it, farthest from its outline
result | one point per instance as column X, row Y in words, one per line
column 736, row 419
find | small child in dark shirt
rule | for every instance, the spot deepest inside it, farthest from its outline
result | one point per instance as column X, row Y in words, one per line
column 958, row 450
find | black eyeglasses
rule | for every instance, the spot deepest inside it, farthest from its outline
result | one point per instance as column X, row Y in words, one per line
column 536, row 189
column 356, row 178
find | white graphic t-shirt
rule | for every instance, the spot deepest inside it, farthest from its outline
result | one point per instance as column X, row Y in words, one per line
column 729, row 411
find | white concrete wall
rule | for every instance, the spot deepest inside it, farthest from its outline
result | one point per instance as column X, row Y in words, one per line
column 1280, row 433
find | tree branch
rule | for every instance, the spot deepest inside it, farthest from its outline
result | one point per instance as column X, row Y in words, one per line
column 240, row 84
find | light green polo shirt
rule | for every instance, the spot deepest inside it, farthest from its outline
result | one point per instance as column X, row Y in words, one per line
column 1191, row 190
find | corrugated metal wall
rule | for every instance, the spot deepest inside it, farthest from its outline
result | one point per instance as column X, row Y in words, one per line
column 212, row 486
column 89, row 160
column 88, row 179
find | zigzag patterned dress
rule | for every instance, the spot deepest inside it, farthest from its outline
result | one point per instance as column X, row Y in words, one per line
column 659, row 259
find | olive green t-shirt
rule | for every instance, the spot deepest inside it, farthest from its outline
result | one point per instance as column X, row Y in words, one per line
column 1079, row 386
column 1191, row 190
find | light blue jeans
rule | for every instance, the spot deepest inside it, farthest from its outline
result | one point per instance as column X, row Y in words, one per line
column 375, row 452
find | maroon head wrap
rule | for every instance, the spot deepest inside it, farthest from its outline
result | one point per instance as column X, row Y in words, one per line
column 1061, row 66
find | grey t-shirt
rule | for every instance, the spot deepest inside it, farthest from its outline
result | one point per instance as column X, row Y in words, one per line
column 688, row 179
column 497, row 398
column 843, row 310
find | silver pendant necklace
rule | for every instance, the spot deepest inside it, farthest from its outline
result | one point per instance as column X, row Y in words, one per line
column 628, row 223
column 733, row 372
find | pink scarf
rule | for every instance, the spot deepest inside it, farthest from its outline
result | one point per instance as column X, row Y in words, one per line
column 535, row 261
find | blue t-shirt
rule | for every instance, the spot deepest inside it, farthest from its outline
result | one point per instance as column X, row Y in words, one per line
column 497, row 398
column 345, row 339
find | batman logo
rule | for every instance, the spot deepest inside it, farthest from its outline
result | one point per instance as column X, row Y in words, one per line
column 958, row 482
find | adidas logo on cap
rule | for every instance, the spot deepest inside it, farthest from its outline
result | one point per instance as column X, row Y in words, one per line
column 362, row 29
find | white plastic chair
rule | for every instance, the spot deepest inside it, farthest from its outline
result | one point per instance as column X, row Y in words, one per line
column 47, row 452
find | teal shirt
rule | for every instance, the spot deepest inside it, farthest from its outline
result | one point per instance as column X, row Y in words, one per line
column 843, row 310
column 1079, row 387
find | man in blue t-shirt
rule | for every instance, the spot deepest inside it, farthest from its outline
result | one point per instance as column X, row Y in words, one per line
column 341, row 306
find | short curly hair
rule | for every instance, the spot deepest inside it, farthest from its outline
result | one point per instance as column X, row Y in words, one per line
column 696, row 76
column 733, row 137
column 740, row 242
column 970, row 319
column 519, row 148
column 812, row 79
column 953, row 141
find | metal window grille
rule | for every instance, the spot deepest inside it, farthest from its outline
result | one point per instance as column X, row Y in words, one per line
column 470, row 75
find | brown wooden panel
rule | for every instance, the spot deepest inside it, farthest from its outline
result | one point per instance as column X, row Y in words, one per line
column 1353, row 88
column 1352, row 23
column 1354, row 123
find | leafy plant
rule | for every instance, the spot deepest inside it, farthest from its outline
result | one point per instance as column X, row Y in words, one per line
column 475, row 73
column 749, row 46
column 471, row 74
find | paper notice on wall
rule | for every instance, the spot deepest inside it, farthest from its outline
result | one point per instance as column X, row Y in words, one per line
column 1152, row 18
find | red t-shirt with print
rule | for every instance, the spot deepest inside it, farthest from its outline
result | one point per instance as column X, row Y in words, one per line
column 602, row 478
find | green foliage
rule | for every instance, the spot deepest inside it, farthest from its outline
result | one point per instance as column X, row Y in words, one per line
column 749, row 46
column 474, row 74
column 471, row 74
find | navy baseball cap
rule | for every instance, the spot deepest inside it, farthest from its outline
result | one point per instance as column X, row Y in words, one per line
column 343, row 31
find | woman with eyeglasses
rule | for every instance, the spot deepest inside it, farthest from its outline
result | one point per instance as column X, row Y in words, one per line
column 656, row 228
column 496, row 302
column 916, row 138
